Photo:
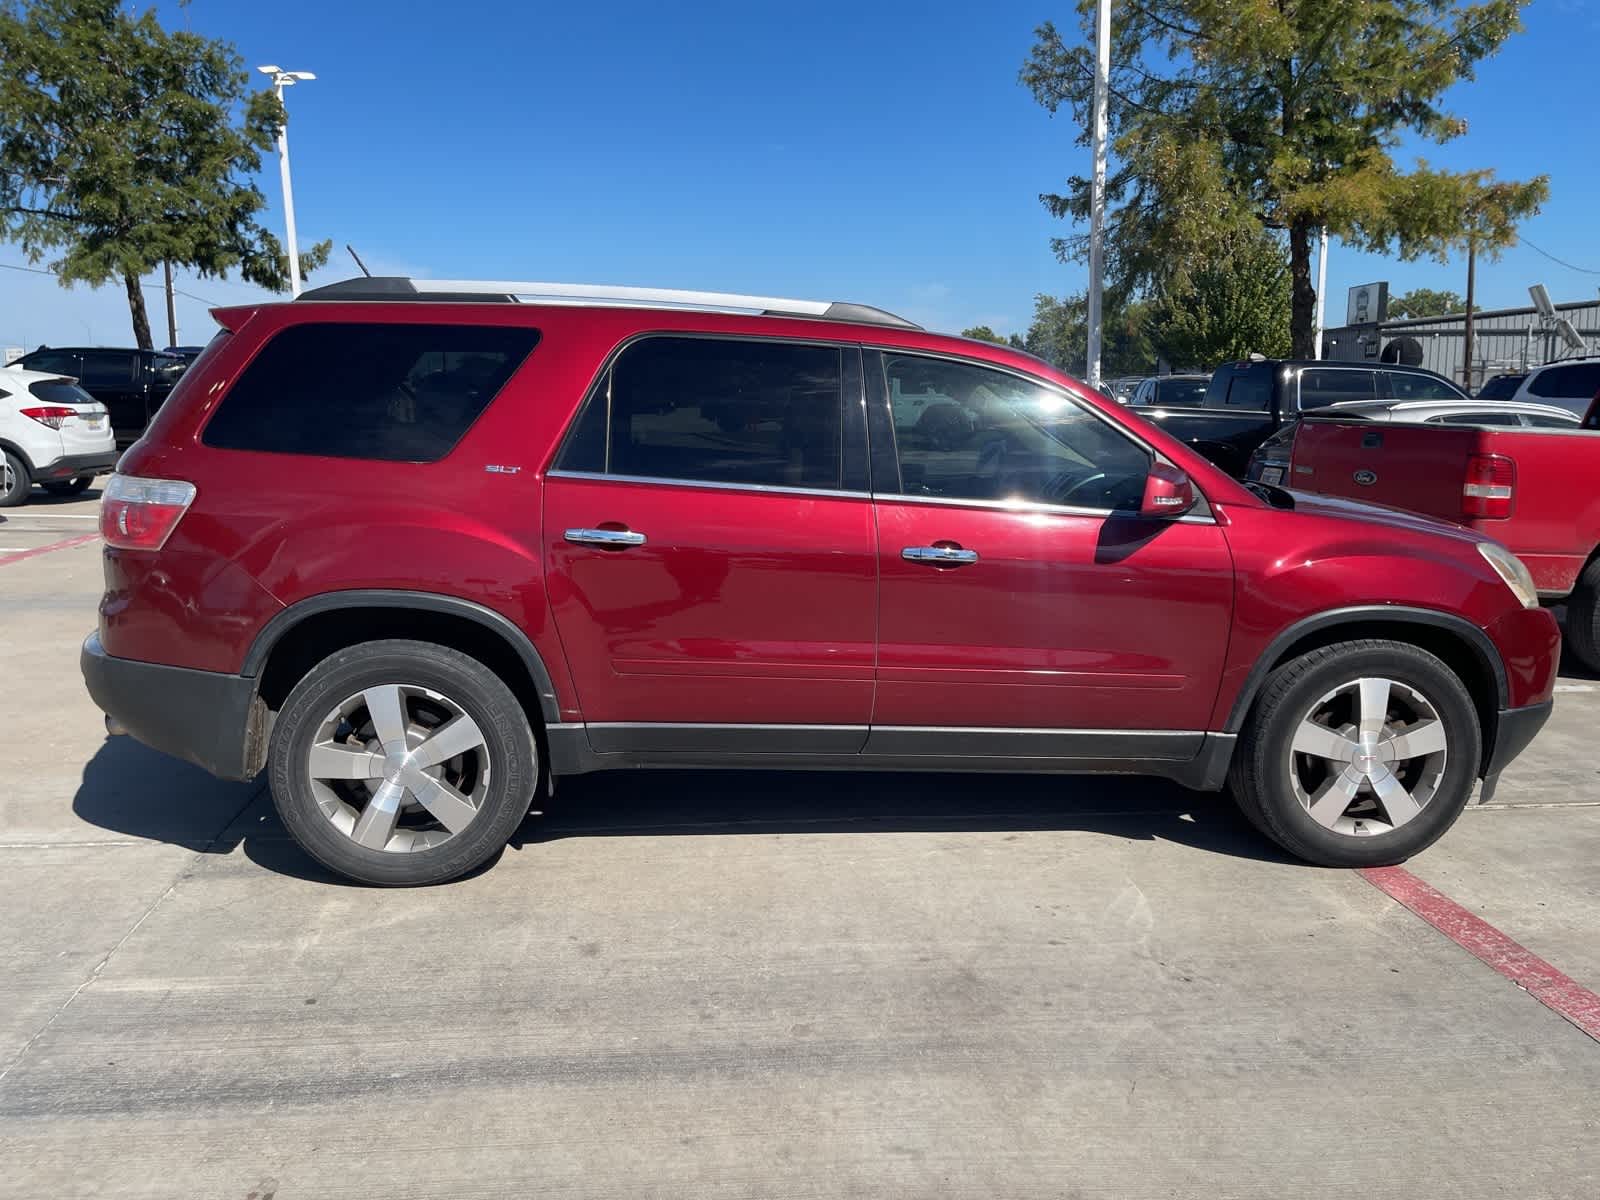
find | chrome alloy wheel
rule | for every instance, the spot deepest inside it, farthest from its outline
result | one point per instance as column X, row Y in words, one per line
column 399, row 768
column 1368, row 757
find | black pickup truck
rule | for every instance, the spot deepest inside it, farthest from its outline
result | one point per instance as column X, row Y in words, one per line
column 1246, row 402
column 132, row 384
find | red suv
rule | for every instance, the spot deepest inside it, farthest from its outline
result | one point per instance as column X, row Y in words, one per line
column 419, row 547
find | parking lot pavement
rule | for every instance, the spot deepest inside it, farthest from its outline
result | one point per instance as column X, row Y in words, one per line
column 747, row 984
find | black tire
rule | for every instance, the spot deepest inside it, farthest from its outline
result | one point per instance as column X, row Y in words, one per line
column 1583, row 617
column 15, row 482
column 72, row 487
column 513, row 759
column 1259, row 775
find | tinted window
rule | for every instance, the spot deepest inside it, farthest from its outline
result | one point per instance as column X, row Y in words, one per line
column 1249, row 389
column 109, row 368
column 1187, row 393
column 1405, row 386
column 1569, row 382
column 1501, row 387
column 53, row 362
column 969, row 433
column 719, row 410
column 1547, row 421
column 1475, row 418
column 403, row 393
column 1321, row 386
column 55, row 391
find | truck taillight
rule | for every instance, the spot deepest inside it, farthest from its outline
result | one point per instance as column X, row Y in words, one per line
column 140, row 514
column 51, row 415
column 1490, row 487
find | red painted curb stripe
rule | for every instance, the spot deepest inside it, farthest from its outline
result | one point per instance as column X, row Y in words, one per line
column 61, row 545
column 1555, row 990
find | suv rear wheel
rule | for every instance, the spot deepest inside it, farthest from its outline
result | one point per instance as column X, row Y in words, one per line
column 15, row 482
column 1359, row 754
column 402, row 763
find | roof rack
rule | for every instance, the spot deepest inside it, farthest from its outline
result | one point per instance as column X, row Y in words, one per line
column 396, row 287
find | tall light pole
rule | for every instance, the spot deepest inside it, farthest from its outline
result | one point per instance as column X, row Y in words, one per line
column 1097, row 197
column 280, row 80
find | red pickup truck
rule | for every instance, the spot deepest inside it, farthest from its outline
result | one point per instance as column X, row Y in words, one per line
column 1536, row 491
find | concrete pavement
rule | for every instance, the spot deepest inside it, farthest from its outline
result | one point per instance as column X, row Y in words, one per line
column 765, row 985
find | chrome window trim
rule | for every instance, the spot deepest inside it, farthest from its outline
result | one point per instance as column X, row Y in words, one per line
column 832, row 493
column 1016, row 506
column 1037, row 506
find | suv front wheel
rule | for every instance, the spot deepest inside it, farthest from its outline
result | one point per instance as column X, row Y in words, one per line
column 1359, row 754
column 402, row 763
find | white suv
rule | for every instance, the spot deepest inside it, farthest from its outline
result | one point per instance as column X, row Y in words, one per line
column 1571, row 384
column 52, row 433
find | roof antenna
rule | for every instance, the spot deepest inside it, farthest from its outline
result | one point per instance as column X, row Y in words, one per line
column 357, row 257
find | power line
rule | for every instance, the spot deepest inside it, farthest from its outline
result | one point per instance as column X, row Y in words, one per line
column 153, row 287
column 1559, row 261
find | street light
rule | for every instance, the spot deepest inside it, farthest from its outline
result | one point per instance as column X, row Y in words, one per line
column 280, row 80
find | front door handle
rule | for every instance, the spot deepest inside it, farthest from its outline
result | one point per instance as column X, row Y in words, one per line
column 613, row 538
column 947, row 556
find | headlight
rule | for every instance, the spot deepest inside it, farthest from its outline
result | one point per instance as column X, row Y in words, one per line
column 1510, row 568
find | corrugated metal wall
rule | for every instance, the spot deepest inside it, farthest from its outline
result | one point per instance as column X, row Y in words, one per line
column 1507, row 339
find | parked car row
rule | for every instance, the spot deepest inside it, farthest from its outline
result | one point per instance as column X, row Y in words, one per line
column 52, row 433
column 132, row 384
column 531, row 546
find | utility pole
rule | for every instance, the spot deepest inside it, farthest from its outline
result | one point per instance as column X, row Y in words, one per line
column 172, row 312
column 1466, row 340
column 1097, row 201
column 1322, row 286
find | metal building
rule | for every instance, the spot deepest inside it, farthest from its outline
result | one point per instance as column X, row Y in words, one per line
column 1503, row 339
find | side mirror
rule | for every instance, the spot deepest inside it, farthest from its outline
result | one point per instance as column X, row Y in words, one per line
column 1167, row 492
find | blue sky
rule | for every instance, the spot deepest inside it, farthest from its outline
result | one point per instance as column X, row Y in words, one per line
column 880, row 152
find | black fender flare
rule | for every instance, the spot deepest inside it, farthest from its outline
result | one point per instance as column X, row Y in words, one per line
column 273, row 631
column 1355, row 615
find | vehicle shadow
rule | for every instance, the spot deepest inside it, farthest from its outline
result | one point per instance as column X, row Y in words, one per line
column 657, row 803
column 133, row 791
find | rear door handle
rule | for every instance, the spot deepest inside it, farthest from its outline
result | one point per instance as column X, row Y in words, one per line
column 605, row 537
column 939, row 555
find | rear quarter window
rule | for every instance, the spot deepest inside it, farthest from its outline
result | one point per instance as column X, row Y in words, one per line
column 392, row 392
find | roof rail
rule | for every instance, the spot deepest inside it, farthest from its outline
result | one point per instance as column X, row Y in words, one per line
column 396, row 287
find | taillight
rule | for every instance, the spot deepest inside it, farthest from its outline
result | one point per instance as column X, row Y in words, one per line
column 51, row 415
column 1489, row 488
column 140, row 514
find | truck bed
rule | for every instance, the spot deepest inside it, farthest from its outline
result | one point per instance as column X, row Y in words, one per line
column 1554, row 525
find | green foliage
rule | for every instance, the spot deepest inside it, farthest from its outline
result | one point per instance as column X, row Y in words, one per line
column 123, row 146
column 1236, row 304
column 983, row 333
column 1230, row 117
column 1059, row 334
column 1426, row 302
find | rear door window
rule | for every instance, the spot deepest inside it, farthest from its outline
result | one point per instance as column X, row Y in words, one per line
column 110, row 369
column 54, row 362
column 1322, row 386
column 395, row 392
column 716, row 410
column 1568, row 382
column 1403, row 385
column 1182, row 393
column 1474, row 418
column 1251, row 390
